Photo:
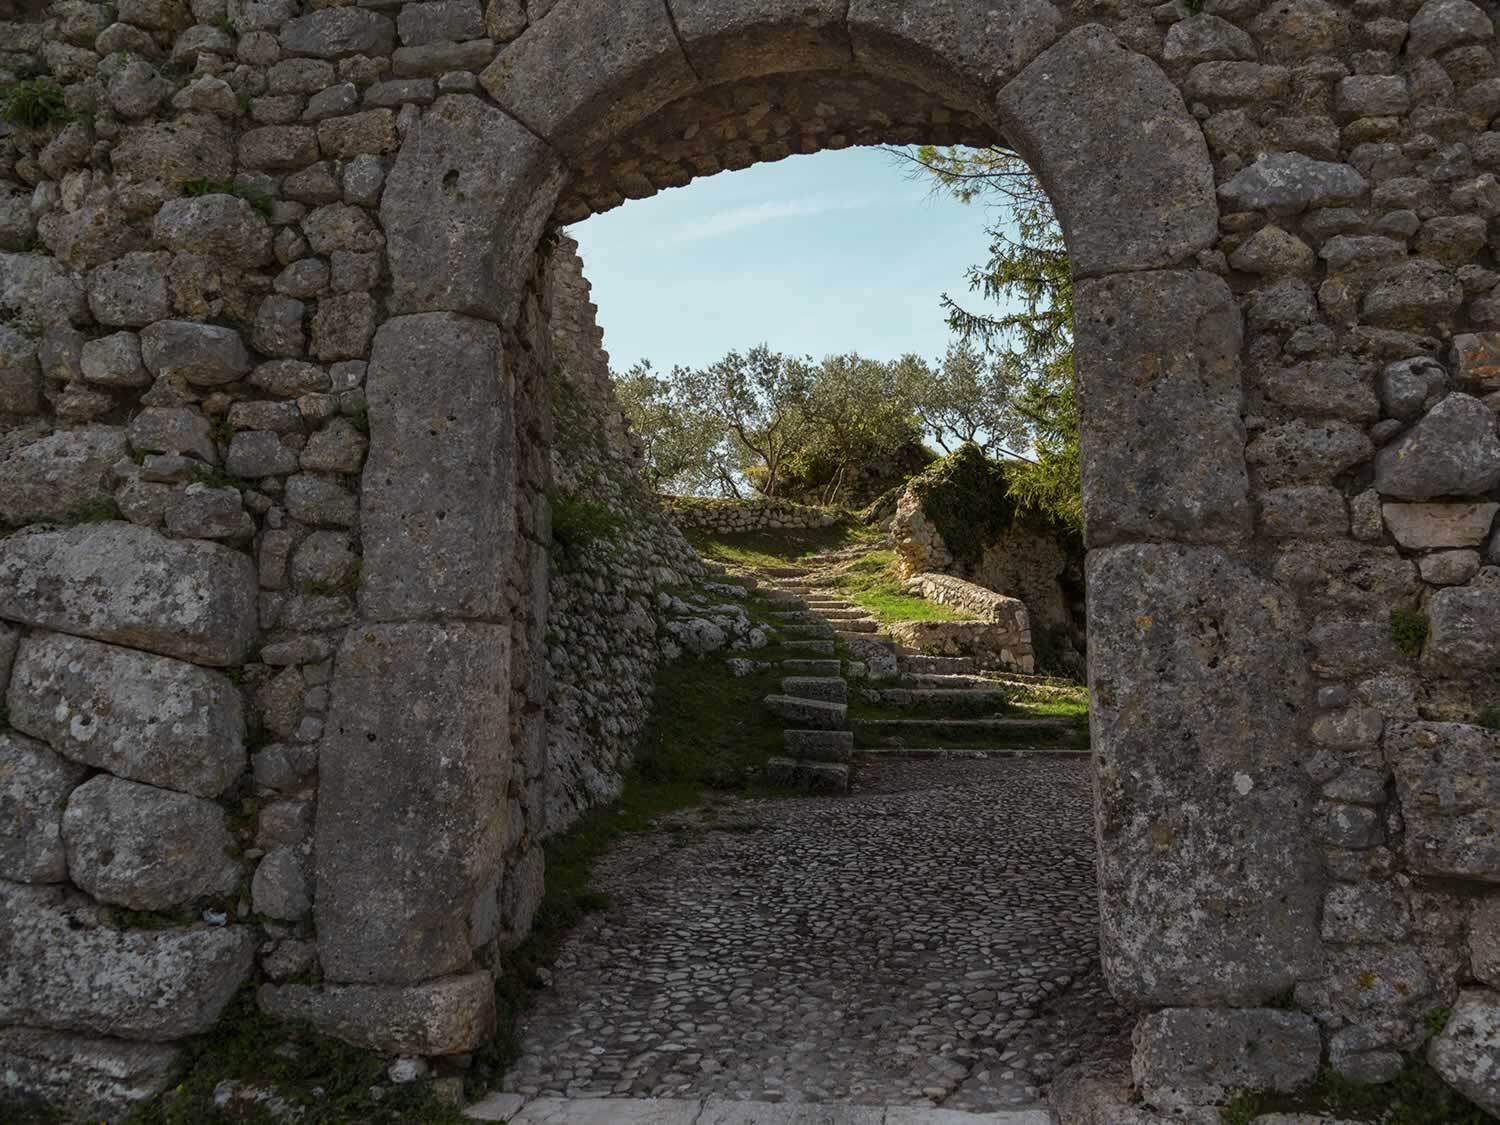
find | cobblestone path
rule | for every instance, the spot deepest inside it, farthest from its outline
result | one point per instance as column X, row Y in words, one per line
column 927, row 940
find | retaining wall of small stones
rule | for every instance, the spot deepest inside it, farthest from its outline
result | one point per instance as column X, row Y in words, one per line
column 999, row 637
column 270, row 296
column 726, row 516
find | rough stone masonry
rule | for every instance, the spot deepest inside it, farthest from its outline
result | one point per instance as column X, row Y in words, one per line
column 277, row 375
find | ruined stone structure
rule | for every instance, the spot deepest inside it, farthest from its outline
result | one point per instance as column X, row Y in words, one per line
column 272, row 297
column 731, row 516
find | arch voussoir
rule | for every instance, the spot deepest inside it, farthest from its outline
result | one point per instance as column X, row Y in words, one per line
column 732, row 39
column 586, row 72
column 1124, row 162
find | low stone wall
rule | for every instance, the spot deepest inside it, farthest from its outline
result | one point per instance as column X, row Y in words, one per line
column 723, row 516
column 999, row 638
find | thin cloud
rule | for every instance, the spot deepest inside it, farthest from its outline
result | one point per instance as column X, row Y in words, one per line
column 740, row 218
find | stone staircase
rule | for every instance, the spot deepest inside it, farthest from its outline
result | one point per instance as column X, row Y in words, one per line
column 516, row 1110
column 953, row 708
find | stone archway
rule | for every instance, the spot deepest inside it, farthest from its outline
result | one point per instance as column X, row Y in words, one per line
column 1189, row 770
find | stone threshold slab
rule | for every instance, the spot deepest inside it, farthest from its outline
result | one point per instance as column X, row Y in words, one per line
column 515, row 1110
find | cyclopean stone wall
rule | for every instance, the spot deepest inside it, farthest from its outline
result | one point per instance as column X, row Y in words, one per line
column 728, row 516
column 271, row 292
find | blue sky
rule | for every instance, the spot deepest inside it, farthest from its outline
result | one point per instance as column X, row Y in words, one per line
column 835, row 252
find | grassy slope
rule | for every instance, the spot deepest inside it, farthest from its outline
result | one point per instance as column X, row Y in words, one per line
column 780, row 547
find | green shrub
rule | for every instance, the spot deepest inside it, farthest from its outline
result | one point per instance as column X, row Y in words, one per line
column 577, row 522
column 34, row 104
column 1489, row 717
column 967, row 498
column 1409, row 630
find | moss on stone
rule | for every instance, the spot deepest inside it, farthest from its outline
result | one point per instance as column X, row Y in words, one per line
column 1417, row 1096
column 1409, row 630
column 36, row 103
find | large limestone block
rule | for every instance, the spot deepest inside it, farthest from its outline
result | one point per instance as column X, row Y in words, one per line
column 463, row 209
column 1448, row 781
column 63, row 969
column 439, row 1017
column 1465, row 630
column 91, row 1079
column 586, row 72
column 34, row 787
column 60, row 476
column 146, row 848
column 148, row 718
column 1123, row 161
column 1198, row 1056
column 1426, row 526
column 1209, row 884
column 956, row 49
column 411, row 801
column 729, row 39
column 126, row 584
column 40, row 290
column 1159, row 398
column 438, row 509
column 1467, row 1053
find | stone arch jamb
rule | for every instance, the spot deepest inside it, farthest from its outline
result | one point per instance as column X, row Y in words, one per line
column 1195, row 666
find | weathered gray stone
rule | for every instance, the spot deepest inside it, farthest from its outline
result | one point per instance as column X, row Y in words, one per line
column 1302, row 451
column 342, row 327
column 60, row 476
column 225, row 228
column 1440, row 24
column 1208, row 881
column 259, row 453
column 146, row 848
column 144, row 717
column 1419, row 294
column 34, row 787
column 1273, row 252
column 1337, row 574
column 1204, row 38
column 437, row 497
column 1078, row 108
column 131, row 292
column 1448, row 779
column 114, row 361
column 1465, row 630
column 1372, row 95
column 1426, row 526
column 436, row 59
column 1193, row 1056
column 121, row 583
column 440, row 1017
column 280, row 888
column 93, row 1079
column 320, row 501
column 411, row 816
column 62, row 969
column 1303, row 510
column 1448, row 568
column 335, row 33
column 1407, row 386
column 585, row 73
column 204, row 512
column 1467, row 1052
column 1161, row 349
column 40, row 290
column 1453, row 451
column 324, row 558
column 1484, row 940
column 369, row 133
column 173, row 153
column 483, row 187
column 173, row 429
column 434, row 20
column 278, row 326
column 337, row 448
column 282, row 148
column 96, row 231
column 1288, row 182
column 203, row 354
column 1334, row 387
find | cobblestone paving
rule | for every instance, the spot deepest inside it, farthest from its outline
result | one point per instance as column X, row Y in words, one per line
column 929, row 939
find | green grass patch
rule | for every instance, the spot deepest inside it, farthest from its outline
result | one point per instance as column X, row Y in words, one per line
column 1417, row 1096
column 872, row 584
column 1409, row 630
column 779, row 547
column 36, row 103
column 1489, row 718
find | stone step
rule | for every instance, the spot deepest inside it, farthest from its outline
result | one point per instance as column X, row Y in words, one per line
column 748, row 581
column 785, row 571
column 882, row 753
column 858, row 635
column 822, row 648
column 938, row 665
column 856, row 625
column 818, row 745
column 516, row 1109
column 795, row 617
column 815, row 713
column 964, row 727
column 830, row 689
column 808, row 629
column 965, row 698
column 780, row 597
column 812, row 667
column 943, row 680
column 823, row 777
column 837, row 613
